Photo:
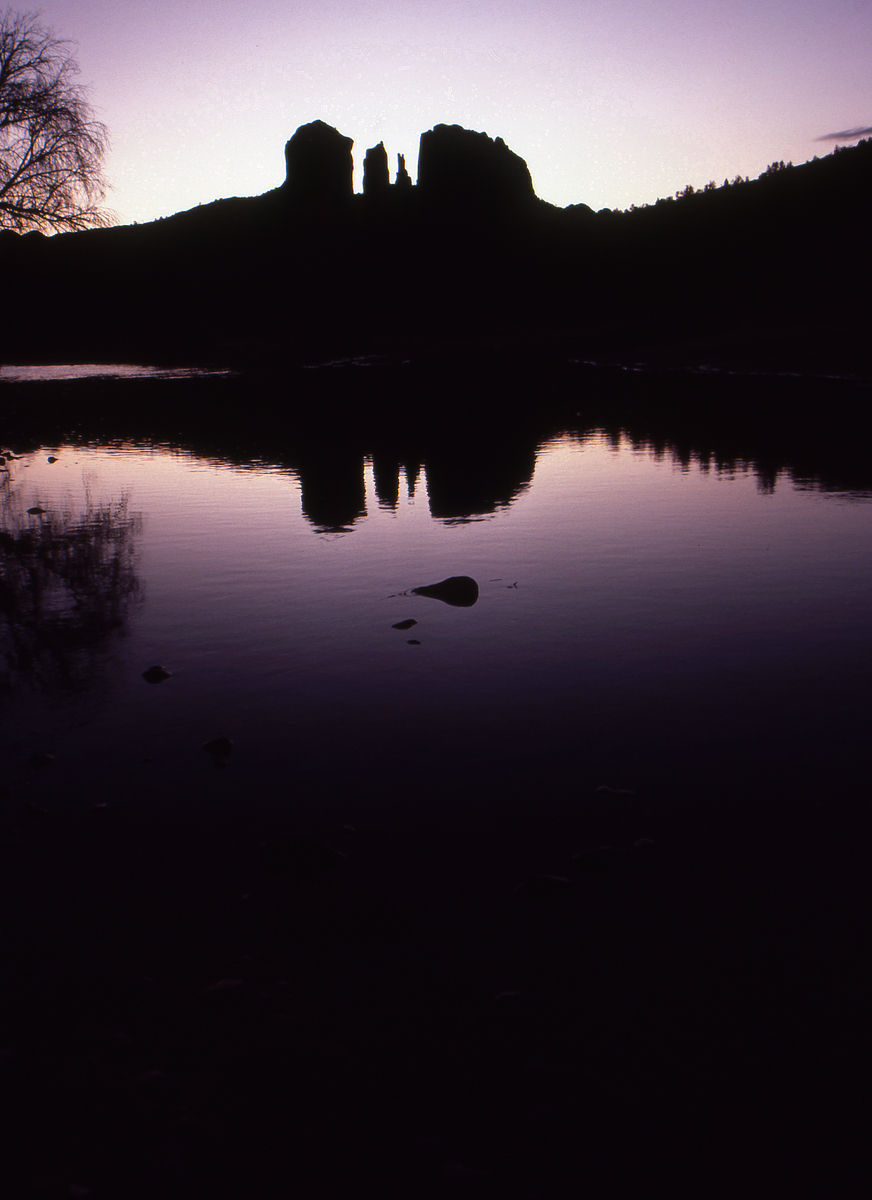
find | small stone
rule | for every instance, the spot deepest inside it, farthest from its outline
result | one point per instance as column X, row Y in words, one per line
column 413, row 642
column 224, row 985
column 407, row 624
column 595, row 860
column 151, row 1077
column 156, row 674
column 542, row 885
column 510, row 997
column 36, row 511
column 459, row 1172
column 301, row 856
column 220, row 749
column 51, row 458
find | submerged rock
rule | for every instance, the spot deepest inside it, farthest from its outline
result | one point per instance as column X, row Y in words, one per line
column 600, row 859
column 156, row 674
column 407, row 624
column 301, row 856
column 459, row 590
column 541, row 885
column 220, row 750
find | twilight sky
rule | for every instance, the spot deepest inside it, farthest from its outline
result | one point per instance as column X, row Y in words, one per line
column 611, row 102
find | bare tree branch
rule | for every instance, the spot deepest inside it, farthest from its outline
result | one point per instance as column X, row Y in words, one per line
column 51, row 146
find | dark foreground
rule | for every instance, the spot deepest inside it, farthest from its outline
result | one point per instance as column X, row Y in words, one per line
column 247, row 1007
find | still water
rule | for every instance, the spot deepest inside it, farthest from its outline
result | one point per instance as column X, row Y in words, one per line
column 684, row 631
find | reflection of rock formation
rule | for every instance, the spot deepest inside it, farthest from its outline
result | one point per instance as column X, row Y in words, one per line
column 473, row 479
column 319, row 166
column 460, row 167
column 66, row 582
column 465, row 481
column 386, row 475
column 332, row 487
column 412, row 469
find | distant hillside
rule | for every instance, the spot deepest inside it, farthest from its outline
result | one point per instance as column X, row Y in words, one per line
column 768, row 272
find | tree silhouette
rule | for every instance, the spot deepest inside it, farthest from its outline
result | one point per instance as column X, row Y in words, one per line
column 51, row 146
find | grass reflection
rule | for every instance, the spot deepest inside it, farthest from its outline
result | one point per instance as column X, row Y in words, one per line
column 67, row 580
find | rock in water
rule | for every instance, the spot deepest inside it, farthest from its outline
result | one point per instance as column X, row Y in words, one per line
column 220, row 749
column 459, row 590
column 156, row 674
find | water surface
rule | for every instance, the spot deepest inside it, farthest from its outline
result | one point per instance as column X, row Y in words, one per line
column 647, row 621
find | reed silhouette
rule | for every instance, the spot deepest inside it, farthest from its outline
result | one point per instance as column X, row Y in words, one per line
column 68, row 579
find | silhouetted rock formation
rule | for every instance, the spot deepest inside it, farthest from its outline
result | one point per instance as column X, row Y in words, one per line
column 403, row 180
column 460, row 167
column 375, row 171
column 319, row 166
column 746, row 273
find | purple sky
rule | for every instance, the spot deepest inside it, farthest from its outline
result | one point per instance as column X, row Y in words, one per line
column 611, row 102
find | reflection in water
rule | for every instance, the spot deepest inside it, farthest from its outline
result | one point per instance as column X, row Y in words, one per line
column 663, row 614
column 478, row 459
column 386, row 474
column 65, row 371
column 476, row 477
column 68, row 576
column 331, row 482
column 465, row 481
column 646, row 734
